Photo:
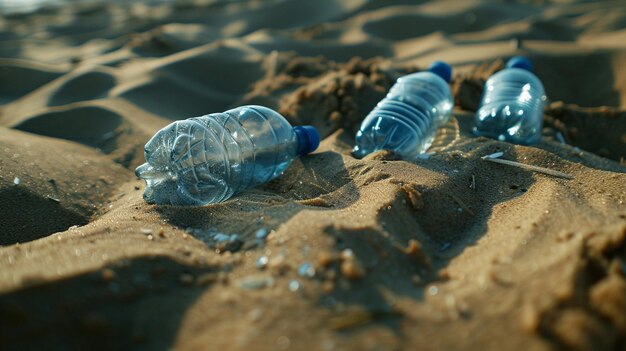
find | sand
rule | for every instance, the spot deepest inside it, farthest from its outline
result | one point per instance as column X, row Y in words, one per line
column 451, row 252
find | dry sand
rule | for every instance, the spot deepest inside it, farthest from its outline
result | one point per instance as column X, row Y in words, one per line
column 446, row 253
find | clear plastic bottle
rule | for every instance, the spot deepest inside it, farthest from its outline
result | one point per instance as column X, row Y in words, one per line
column 512, row 105
column 406, row 120
column 207, row 159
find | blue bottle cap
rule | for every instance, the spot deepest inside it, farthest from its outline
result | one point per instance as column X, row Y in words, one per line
column 308, row 139
column 441, row 69
column 520, row 62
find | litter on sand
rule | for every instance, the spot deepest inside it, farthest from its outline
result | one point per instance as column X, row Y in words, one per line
column 495, row 157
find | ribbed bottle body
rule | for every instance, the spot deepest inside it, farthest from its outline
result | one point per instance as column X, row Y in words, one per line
column 407, row 119
column 207, row 159
column 512, row 107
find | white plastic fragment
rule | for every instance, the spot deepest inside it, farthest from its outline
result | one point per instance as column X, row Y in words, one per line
column 294, row 285
column 255, row 282
column 261, row 233
column 494, row 155
column 306, row 270
column 262, row 262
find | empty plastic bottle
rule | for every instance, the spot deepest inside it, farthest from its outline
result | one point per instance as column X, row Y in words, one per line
column 512, row 104
column 207, row 159
column 406, row 120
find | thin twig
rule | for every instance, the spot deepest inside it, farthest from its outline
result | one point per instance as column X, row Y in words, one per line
column 322, row 181
column 548, row 171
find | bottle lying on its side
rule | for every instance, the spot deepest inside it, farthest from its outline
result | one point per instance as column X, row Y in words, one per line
column 208, row 159
column 407, row 119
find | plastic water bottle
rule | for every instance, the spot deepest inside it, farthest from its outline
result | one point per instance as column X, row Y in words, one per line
column 512, row 105
column 207, row 159
column 406, row 120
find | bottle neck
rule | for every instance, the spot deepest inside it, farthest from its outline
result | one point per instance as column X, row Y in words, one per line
column 307, row 139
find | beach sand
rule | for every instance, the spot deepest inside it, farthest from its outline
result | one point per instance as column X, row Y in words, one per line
column 450, row 252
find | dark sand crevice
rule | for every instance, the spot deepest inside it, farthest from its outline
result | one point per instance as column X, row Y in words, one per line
column 589, row 313
column 197, row 81
column 600, row 130
column 391, row 25
column 124, row 305
column 53, row 217
column 419, row 231
column 93, row 124
column 171, row 38
column 594, row 87
column 89, row 125
column 68, row 182
column 90, row 85
column 25, row 77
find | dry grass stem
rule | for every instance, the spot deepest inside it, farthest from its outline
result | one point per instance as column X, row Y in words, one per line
column 548, row 171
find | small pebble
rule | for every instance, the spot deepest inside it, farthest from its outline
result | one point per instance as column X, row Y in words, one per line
column 146, row 231
column 262, row 262
column 16, row 181
column 261, row 233
column 326, row 258
column 294, row 285
column 306, row 270
column 346, row 254
column 279, row 264
column 352, row 269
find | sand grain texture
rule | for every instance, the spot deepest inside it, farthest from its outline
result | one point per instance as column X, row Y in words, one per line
column 450, row 252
